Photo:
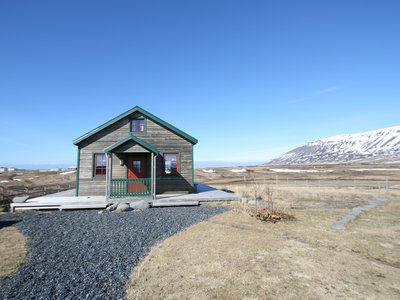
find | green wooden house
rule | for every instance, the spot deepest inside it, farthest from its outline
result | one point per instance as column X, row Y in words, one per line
column 134, row 154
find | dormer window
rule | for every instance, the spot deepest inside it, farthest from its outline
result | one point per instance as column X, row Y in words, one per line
column 137, row 125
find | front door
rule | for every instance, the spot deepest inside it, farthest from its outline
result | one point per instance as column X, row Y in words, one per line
column 136, row 170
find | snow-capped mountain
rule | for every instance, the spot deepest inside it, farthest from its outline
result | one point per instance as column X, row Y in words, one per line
column 376, row 145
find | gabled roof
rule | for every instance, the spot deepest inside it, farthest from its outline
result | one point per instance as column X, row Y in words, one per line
column 136, row 140
column 147, row 115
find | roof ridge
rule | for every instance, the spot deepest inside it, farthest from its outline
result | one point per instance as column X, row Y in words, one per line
column 127, row 113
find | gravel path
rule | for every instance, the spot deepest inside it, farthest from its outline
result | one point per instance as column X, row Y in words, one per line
column 358, row 210
column 87, row 255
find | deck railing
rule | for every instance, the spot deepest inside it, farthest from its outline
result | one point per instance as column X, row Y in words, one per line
column 130, row 187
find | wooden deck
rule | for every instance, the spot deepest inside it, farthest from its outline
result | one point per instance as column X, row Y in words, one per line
column 67, row 200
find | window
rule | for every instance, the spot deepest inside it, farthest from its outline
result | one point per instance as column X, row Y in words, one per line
column 171, row 166
column 100, row 165
column 136, row 166
column 137, row 125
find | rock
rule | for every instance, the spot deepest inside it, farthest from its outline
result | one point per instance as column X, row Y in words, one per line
column 123, row 207
column 112, row 207
column 139, row 205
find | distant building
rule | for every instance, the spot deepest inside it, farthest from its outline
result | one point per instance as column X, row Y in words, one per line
column 3, row 169
column 11, row 169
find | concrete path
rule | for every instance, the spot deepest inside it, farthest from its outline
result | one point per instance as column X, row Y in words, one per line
column 204, row 193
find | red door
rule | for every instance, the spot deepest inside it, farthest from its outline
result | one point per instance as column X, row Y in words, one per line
column 136, row 169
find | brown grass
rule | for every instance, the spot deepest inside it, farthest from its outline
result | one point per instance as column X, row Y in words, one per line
column 13, row 250
column 235, row 256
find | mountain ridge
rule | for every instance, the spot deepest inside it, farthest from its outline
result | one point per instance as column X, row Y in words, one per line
column 371, row 146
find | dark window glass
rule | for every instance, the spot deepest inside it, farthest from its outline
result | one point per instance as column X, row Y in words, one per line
column 137, row 125
column 136, row 166
column 171, row 163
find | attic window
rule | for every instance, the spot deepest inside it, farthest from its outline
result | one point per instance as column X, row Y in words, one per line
column 137, row 125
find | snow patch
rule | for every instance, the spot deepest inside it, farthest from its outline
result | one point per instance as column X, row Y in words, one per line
column 208, row 170
column 299, row 171
column 238, row 170
column 68, row 172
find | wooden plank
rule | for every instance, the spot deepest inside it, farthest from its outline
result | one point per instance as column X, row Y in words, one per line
column 174, row 203
column 27, row 206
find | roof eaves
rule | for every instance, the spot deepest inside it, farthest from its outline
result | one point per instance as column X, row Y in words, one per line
column 168, row 125
column 97, row 129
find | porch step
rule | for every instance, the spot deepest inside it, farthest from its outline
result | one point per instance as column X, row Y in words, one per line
column 32, row 206
column 38, row 205
column 129, row 199
column 83, row 206
column 174, row 203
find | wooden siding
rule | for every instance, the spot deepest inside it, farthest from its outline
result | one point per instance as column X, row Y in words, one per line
column 118, row 171
column 156, row 135
column 130, row 147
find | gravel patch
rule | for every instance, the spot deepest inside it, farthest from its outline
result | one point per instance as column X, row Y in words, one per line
column 356, row 211
column 88, row 255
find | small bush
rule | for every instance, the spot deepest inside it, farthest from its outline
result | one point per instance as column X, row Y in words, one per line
column 265, row 214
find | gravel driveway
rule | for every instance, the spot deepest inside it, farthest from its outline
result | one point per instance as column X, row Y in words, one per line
column 87, row 255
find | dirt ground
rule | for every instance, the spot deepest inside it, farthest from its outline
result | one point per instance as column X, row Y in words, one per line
column 234, row 256
column 12, row 248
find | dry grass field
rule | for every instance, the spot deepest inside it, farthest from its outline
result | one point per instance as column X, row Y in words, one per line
column 29, row 178
column 234, row 256
column 12, row 248
column 33, row 183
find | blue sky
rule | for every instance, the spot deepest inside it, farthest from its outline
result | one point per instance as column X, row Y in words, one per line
column 249, row 79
